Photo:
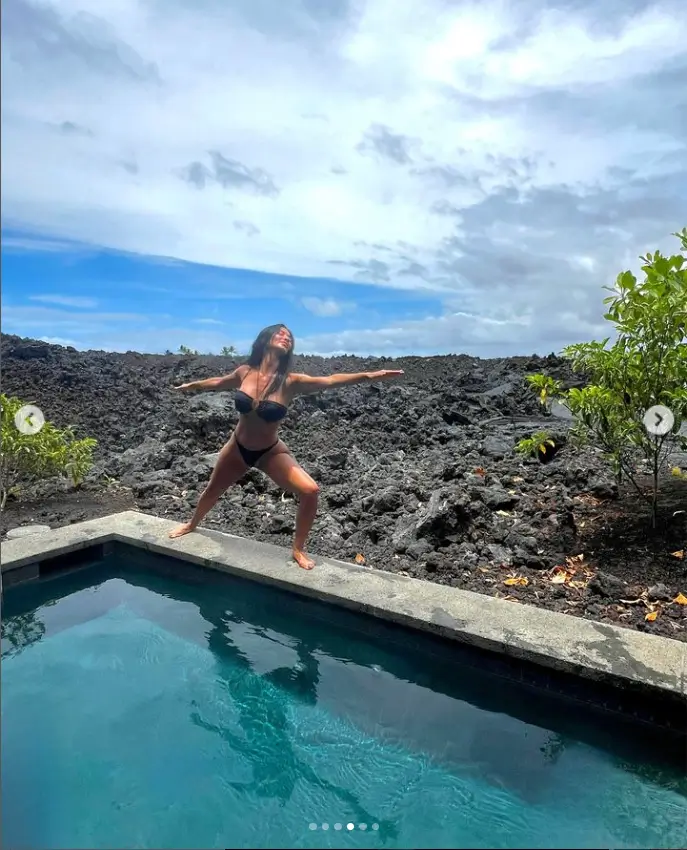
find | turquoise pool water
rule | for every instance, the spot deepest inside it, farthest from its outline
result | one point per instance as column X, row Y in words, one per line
column 142, row 710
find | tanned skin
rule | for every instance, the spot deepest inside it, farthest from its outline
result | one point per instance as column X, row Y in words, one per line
column 254, row 433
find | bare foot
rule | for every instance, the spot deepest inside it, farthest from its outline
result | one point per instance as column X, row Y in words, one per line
column 180, row 530
column 302, row 560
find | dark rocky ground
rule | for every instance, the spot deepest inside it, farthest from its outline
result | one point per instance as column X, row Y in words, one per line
column 417, row 476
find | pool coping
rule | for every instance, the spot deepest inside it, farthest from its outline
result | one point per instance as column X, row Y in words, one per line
column 595, row 651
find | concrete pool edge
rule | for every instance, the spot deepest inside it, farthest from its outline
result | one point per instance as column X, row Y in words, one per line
column 560, row 642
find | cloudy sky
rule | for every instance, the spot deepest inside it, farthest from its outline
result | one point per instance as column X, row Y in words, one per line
column 422, row 176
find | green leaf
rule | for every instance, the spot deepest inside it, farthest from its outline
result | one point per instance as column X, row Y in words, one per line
column 641, row 363
column 49, row 453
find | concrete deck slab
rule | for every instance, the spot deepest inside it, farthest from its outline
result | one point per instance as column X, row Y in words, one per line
column 592, row 650
column 26, row 531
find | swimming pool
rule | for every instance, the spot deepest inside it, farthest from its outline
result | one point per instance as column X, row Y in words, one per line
column 148, row 703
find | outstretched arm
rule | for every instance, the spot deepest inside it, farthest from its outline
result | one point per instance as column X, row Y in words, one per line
column 308, row 384
column 225, row 382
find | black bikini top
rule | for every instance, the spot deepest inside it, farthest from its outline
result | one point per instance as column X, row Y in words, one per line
column 270, row 411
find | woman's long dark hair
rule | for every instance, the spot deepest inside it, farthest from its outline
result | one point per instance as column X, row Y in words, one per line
column 257, row 355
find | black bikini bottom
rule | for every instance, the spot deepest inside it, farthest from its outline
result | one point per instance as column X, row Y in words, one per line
column 252, row 456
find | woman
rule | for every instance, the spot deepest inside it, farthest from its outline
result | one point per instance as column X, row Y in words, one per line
column 265, row 387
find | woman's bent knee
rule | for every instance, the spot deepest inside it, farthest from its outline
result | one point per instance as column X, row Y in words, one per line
column 216, row 488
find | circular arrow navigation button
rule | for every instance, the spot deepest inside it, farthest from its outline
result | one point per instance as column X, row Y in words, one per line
column 658, row 420
column 29, row 419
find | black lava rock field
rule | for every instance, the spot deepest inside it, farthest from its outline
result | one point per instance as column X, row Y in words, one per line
column 417, row 476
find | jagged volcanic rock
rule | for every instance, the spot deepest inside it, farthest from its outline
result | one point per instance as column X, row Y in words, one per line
column 418, row 476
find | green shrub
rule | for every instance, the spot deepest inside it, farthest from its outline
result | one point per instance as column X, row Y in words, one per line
column 645, row 366
column 537, row 445
column 50, row 452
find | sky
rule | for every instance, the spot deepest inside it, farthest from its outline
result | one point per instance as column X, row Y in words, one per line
column 417, row 177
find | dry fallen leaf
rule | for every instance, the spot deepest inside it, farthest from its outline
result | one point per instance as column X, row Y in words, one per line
column 517, row 479
column 579, row 585
column 651, row 616
column 514, row 580
column 681, row 599
column 480, row 470
column 504, row 513
column 484, row 569
column 588, row 499
column 679, row 554
column 360, row 559
column 560, row 576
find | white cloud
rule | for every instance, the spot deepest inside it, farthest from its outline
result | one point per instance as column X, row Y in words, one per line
column 208, row 321
column 456, row 333
column 484, row 151
column 58, row 340
column 562, row 49
column 34, row 321
column 26, row 244
column 110, row 331
column 325, row 307
column 66, row 300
